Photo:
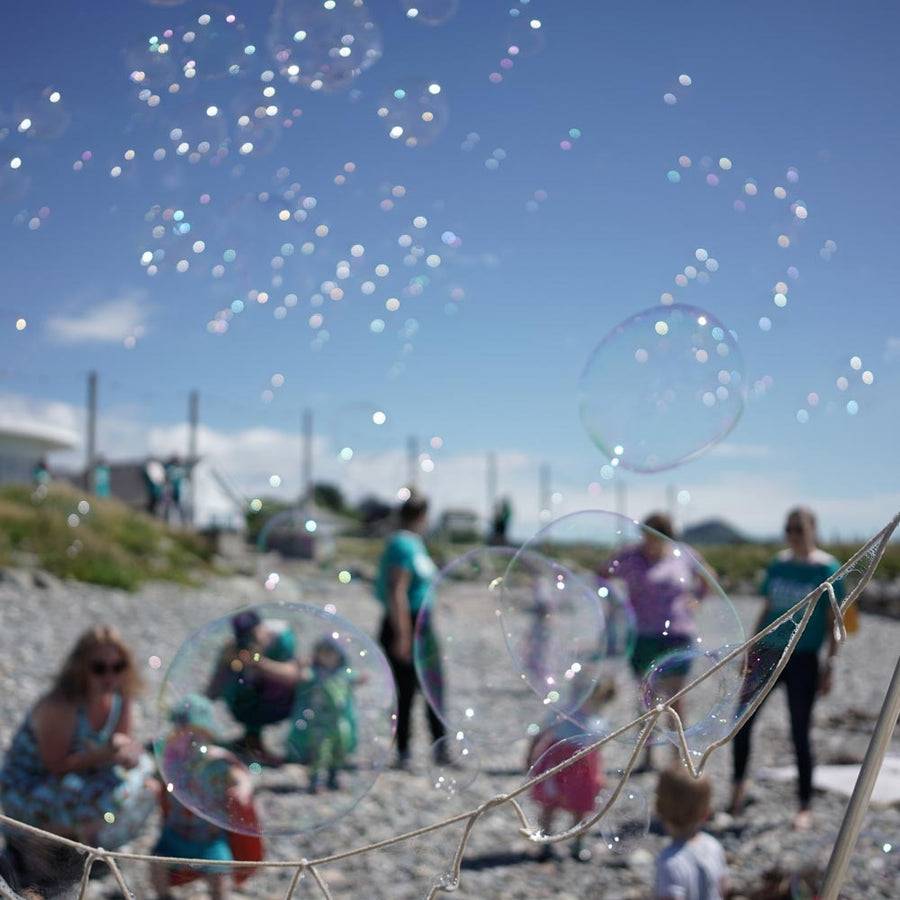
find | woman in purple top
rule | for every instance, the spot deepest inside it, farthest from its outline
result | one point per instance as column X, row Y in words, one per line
column 663, row 589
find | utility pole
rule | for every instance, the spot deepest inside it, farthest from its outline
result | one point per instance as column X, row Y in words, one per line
column 545, row 513
column 491, row 483
column 306, row 476
column 412, row 462
column 91, row 432
column 193, row 420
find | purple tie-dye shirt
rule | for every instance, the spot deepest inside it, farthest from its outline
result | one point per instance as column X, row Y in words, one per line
column 659, row 593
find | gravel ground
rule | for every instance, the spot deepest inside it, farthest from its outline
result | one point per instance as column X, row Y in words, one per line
column 40, row 617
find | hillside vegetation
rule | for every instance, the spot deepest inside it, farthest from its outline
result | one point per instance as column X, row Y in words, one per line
column 103, row 541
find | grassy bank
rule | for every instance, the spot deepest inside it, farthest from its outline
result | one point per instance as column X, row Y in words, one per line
column 103, row 541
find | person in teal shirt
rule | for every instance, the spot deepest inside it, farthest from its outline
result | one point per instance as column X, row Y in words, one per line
column 792, row 574
column 404, row 578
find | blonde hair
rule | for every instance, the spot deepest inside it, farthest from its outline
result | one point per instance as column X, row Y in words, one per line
column 72, row 679
column 682, row 801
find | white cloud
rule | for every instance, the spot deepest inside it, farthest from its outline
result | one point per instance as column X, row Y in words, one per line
column 892, row 350
column 110, row 322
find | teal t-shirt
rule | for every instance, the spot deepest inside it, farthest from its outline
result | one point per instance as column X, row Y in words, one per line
column 406, row 550
column 787, row 581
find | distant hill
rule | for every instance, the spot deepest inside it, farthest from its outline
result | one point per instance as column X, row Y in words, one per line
column 712, row 532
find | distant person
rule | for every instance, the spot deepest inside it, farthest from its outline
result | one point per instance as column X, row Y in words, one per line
column 154, row 474
column 255, row 675
column 405, row 574
column 323, row 720
column 172, row 493
column 74, row 767
column 215, row 780
column 693, row 865
column 40, row 474
column 102, row 478
column 574, row 789
column 663, row 589
column 792, row 574
column 500, row 522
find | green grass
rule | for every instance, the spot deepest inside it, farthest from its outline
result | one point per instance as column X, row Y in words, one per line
column 109, row 543
column 74, row 535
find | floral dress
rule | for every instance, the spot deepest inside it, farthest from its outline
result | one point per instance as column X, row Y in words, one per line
column 109, row 803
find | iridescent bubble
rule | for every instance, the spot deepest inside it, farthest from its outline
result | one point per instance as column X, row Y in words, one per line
column 284, row 541
column 463, row 638
column 14, row 182
column 38, row 112
column 323, row 46
column 414, row 112
column 430, row 12
column 554, row 628
column 626, row 823
column 686, row 611
column 678, row 380
column 523, row 37
column 454, row 764
column 329, row 717
column 560, row 802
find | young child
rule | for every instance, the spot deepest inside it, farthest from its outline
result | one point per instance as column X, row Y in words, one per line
column 573, row 789
column 323, row 732
column 215, row 780
column 692, row 866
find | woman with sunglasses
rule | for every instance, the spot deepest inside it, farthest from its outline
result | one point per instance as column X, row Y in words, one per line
column 792, row 574
column 73, row 767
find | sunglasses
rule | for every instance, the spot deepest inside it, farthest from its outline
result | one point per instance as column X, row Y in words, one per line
column 102, row 668
column 794, row 529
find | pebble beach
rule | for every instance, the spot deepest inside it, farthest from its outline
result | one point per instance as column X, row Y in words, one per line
column 41, row 616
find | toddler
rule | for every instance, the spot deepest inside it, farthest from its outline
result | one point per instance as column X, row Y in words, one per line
column 692, row 866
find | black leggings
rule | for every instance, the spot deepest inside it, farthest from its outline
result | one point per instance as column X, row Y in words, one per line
column 407, row 684
column 801, row 678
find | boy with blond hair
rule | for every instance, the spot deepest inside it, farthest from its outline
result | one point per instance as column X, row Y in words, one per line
column 693, row 865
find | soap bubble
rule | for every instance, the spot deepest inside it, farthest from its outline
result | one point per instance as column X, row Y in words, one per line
column 464, row 635
column 454, row 764
column 327, row 732
column 554, row 628
column 558, row 803
column 286, row 540
column 662, row 387
column 625, row 824
column 414, row 111
column 38, row 112
column 430, row 12
column 689, row 614
column 323, row 46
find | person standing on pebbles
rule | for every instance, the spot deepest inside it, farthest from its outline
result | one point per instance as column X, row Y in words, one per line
column 693, row 865
column 405, row 573
column 792, row 574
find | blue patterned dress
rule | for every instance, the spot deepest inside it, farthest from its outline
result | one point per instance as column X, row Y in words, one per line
column 106, row 804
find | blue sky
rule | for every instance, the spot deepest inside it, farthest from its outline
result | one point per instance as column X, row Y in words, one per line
column 586, row 161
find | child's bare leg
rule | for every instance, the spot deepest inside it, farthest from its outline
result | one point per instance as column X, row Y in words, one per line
column 218, row 885
column 159, row 876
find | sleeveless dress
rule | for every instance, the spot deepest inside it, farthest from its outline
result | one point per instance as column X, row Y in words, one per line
column 111, row 803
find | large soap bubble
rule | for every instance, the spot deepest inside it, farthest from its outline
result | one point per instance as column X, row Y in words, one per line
column 323, row 46
column 561, row 801
column 684, row 623
column 414, row 111
column 430, row 12
column 299, row 695
column 662, row 387
column 481, row 690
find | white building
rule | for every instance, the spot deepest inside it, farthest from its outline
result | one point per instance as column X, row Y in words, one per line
column 24, row 444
